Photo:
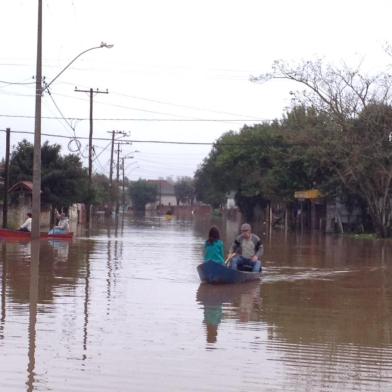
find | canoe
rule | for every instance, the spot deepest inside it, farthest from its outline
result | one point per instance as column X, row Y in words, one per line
column 15, row 234
column 211, row 272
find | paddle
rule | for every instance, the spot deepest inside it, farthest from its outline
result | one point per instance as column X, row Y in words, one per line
column 229, row 257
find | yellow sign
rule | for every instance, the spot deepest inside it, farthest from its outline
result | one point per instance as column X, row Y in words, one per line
column 309, row 194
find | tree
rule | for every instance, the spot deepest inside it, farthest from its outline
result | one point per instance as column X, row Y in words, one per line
column 184, row 190
column 101, row 188
column 64, row 181
column 206, row 190
column 257, row 164
column 141, row 193
column 357, row 109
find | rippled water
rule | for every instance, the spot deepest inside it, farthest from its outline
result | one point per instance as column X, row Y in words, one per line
column 122, row 309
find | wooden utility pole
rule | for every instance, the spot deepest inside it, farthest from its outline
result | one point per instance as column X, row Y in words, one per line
column 123, row 185
column 111, row 165
column 36, row 194
column 90, row 149
column 6, row 177
column 118, row 178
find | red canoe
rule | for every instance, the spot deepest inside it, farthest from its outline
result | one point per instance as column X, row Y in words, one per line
column 15, row 234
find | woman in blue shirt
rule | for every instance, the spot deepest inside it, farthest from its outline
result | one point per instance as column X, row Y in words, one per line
column 213, row 247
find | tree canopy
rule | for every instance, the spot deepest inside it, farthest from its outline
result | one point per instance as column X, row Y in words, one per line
column 335, row 138
column 141, row 193
column 184, row 190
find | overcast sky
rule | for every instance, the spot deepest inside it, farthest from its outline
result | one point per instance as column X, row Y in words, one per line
column 175, row 65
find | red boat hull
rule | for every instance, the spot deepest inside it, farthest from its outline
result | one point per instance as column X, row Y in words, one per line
column 15, row 234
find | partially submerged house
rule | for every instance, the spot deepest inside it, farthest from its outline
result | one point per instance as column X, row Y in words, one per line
column 315, row 212
column 20, row 202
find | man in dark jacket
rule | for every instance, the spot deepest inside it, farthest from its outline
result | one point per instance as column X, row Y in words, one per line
column 247, row 249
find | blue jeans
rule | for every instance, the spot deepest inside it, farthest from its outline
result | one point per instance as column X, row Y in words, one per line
column 238, row 261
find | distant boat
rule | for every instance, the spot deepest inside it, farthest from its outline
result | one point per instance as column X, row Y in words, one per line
column 211, row 272
column 16, row 234
column 169, row 215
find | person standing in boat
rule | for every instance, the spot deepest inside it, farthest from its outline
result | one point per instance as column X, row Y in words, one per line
column 27, row 223
column 62, row 226
column 246, row 250
column 213, row 247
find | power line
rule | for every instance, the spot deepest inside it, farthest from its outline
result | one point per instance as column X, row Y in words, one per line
column 178, row 105
column 15, row 83
column 108, row 139
column 137, row 141
column 142, row 119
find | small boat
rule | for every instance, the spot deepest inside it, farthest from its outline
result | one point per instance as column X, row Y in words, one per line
column 16, row 234
column 211, row 272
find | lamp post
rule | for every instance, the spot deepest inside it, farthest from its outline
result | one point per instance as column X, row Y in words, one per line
column 36, row 193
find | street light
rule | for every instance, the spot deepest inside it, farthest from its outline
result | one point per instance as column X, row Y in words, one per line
column 102, row 45
column 36, row 192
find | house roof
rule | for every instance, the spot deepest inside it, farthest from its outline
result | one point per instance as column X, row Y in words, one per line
column 21, row 185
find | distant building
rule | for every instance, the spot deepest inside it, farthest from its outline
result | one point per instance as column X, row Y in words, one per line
column 166, row 195
column 315, row 212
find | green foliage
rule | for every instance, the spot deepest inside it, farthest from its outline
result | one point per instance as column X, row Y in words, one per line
column 141, row 193
column 63, row 180
column 336, row 139
column 261, row 163
column 184, row 190
column 101, row 187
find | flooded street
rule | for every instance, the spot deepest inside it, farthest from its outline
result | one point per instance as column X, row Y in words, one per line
column 123, row 310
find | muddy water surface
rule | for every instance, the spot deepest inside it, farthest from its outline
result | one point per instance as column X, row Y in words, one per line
column 122, row 309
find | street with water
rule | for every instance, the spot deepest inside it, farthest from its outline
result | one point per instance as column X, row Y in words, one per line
column 121, row 308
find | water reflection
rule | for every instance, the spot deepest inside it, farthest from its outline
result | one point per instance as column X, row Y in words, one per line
column 60, row 250
column 33, row 302
column 3, row 291
column 86, row 304
column 227, row 301
column 122, row 308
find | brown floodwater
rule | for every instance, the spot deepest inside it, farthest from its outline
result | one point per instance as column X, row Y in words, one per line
column 121, row 308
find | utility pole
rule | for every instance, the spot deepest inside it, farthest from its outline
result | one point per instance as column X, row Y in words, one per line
column 118, row 178
column 36, row 194
column 123, row 185
column 111, row 165
column 90, row 148
column 6, row 176
column 118, row 175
